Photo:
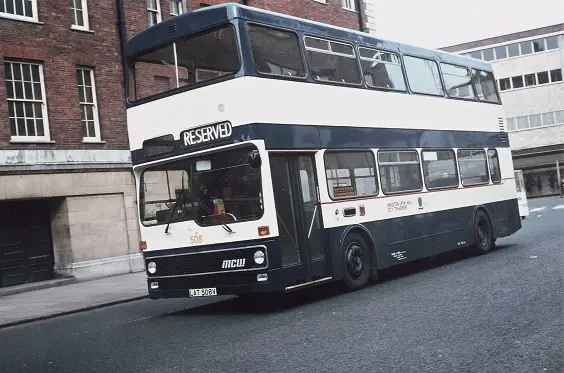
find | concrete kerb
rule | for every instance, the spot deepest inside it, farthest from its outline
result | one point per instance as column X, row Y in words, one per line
column 70, row 312
column 4, row 292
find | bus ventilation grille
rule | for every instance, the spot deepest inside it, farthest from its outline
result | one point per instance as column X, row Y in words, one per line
column 502, row 130
column 172, row 28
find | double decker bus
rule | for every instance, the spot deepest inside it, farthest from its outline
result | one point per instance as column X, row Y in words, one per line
column 272, row 153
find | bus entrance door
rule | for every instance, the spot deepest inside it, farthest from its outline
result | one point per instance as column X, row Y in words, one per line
column 299, row 217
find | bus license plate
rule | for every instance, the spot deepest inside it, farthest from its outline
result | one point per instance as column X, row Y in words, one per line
column 207, row 292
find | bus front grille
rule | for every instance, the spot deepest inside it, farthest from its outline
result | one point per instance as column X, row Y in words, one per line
column 209, row 262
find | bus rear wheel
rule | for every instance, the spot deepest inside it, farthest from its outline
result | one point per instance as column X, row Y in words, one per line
column 483, row 233
column 357, row 260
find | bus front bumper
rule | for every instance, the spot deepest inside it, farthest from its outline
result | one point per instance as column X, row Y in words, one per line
column 229, row 283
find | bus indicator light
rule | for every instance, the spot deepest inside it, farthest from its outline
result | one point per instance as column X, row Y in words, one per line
column 362, row 211
column 143, row 245
column 264, row 231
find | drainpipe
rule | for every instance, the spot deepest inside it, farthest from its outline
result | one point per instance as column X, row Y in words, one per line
column 122, row 40
column 360, row 10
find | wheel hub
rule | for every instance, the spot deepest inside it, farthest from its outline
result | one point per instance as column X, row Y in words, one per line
column 355, row 260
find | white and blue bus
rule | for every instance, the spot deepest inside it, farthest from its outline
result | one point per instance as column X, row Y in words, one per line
column 273, row 153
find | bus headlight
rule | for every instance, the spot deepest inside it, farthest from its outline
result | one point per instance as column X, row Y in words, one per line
column 259, row 257
column 152, row 267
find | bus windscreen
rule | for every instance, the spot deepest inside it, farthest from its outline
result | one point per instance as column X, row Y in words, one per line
column 219, row 188
column 184, row 62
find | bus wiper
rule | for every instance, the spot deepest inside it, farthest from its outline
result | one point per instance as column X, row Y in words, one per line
column 178, row 199
column 223, row 225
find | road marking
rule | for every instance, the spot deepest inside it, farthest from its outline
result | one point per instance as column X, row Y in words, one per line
column 558, row 207
column 537, row 209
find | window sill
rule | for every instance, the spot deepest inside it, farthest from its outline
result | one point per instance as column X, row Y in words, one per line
column 20, row 19
column 75, row 28
column 350, row 10
column 24, row 141
column 90, row 141
column 324, row 2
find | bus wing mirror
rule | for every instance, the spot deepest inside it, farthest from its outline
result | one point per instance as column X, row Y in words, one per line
column 255, row 160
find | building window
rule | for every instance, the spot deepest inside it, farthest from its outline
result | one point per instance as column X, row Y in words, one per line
column 522, row 122
column 27, row 108
column 88, row 105
column 331, row 61
column 517, row 81
column 543, row 77
column 473, row 167
column 457, row 81
column 513, row 50
column 552, row 43
column 154, row 12
column 500, row 53
column 79, row 14
column 399, row 171
column 510, row 124
column 176, row 7
column 530, row 79
column 556, row 75
column 488, row 54
column 504, row 84
column 538, row 45
column 19, row 9
column 495, row 171
column 276, row 52
column 349, row 5
column 423, row 76
column 476, row 54
column 548, row 118
column 535, row 120
column 439, row 169
column 351, row 174
column 526, row 48
column 559, row 116
column 381, row 69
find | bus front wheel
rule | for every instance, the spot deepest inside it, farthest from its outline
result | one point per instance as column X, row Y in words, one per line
column 357, row 261
column 483, row 233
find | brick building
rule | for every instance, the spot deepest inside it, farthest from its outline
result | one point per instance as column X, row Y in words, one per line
column 529, row 66
column 67, row 194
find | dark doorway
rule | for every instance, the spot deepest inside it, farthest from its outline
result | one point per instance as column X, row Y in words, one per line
column 26, row 249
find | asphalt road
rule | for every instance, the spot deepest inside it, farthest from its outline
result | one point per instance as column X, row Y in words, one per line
column 502, row 312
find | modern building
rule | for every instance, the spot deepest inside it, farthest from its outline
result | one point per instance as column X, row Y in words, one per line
column 529, row 66
column 67, row 195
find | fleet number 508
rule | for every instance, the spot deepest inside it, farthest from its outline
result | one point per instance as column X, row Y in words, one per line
column 196, row 239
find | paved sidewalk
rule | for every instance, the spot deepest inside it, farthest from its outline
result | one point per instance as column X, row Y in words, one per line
column 66, row 299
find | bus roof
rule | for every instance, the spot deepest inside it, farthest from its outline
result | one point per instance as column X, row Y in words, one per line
column 202, row 19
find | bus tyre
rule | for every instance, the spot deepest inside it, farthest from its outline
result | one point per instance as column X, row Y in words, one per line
column 357, row 261
column 483, row 233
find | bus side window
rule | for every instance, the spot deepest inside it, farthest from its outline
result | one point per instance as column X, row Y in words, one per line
column 275, row 51
column 493, row 160
column 399, row 171
column 332, row 61
column 473, row 167
column 439, row 168
column 381, row 69
column 350, row 174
